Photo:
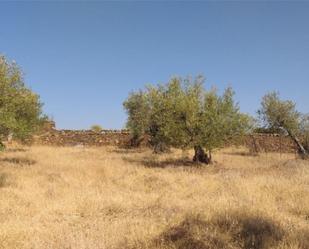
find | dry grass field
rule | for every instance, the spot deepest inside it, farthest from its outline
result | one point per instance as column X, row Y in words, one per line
column 115, row 198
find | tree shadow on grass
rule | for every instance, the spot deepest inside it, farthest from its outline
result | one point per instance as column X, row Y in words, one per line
column 22, row 161
column 151, row 162
column 234, row 230
column 120, row 150
column 241, row 153
column 228, row 231
column 16, row 150
column 3, row 179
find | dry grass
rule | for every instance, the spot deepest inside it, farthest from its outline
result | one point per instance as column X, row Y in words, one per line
column 114, row 198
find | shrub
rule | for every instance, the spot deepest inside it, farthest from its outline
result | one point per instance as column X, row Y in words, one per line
column 96, row 128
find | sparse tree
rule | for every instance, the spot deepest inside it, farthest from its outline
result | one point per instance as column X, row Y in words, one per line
column 20, row 108
column 183, row 114
column 96, row 128
column 282, row 114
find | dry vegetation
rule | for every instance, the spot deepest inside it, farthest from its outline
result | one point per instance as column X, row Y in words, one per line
column 114, row 198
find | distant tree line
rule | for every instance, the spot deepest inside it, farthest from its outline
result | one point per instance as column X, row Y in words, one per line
column 180, row 113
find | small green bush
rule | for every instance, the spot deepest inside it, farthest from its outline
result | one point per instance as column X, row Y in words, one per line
column 96, row 128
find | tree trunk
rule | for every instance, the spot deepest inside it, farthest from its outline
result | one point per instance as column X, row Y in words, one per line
column 161, row 148
column 201, row 156
column 135, row 141
column 301, row 150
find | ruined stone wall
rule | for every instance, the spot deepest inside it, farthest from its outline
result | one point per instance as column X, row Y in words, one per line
column 82, row 137
column 269, row 143
column 255, row 142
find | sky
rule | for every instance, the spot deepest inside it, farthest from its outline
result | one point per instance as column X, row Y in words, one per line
column 83, row 59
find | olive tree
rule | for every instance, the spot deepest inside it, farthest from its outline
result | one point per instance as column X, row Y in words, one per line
column 20, row 108
column 282, row 114
column 183, row 114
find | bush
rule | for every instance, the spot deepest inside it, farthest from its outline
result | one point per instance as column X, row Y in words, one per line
column 96, row 128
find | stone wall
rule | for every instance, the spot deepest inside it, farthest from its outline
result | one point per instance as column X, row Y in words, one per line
column 269, row 143
column 82, row 137
column 255, row 142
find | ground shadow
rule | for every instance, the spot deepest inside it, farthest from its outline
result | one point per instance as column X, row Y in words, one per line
column 224, row 232
column 121, row 150
column 3, row 179
column 151, row 162
column 16, row 150
column 18, row 160
column 241, row 153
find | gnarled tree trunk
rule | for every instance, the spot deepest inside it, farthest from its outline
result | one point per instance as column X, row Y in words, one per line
column 200, row 156
column 301, row 150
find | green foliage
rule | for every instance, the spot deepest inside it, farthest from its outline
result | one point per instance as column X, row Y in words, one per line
column 20, row 108
column 96, row 128
column 279, row 114
column 137, row 107
column 267, row 130
column 183, row 114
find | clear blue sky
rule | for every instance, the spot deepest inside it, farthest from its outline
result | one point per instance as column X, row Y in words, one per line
column 84, row 58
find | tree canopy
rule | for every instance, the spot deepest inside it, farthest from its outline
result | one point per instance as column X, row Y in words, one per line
column 279, row 114
column 20, row 108
column 183, row 114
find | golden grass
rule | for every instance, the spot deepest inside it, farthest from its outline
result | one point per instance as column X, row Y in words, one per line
column 115, row 198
